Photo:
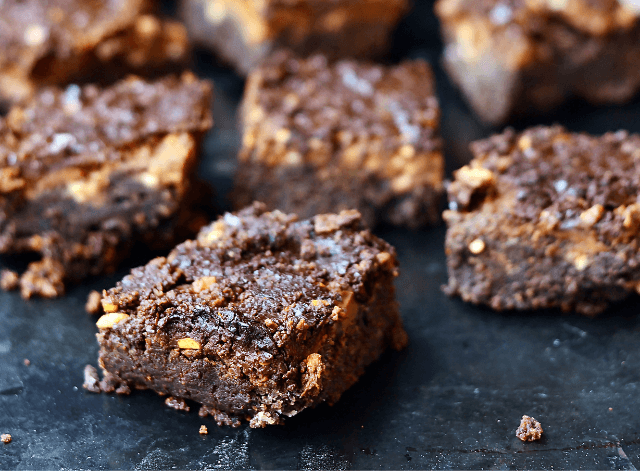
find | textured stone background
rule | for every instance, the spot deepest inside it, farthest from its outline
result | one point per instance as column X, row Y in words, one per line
column 452, row 399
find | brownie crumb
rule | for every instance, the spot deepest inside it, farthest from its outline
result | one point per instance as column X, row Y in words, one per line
column 91, row 379
column 6, row 437
column 9, row 280
column 177, row 403
column 203, row 430
column 123, row 389
column 93, row 305
column 26, row 362
column 529, row 430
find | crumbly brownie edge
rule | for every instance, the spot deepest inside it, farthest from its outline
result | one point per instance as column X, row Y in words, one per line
column 306, row 194
column 324, row 375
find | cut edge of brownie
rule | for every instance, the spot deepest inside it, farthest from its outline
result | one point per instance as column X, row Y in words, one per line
column 271, row 360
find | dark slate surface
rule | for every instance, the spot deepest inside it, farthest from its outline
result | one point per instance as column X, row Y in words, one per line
column 452, row 399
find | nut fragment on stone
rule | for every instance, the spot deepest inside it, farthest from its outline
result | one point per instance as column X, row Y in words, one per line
column 477, row 246
column 188, row 344
column 203, row 430
column 529, row 429
column 93, row 305
column 5, row 438
column 108, row 320
column 91, row 380
column 9, row 280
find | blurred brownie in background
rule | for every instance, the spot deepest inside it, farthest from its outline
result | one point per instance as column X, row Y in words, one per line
column 321, row 137
column 56, row 42
column 244, row 32
column 86, row 173
column 516, row 57
column 546, row 219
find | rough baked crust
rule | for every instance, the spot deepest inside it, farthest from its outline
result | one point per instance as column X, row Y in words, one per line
column 60, row 41
column 546, row 218
column 516, row 57
column 259, row 318
column 85, row 173
column 321, row 137
column 244, row 32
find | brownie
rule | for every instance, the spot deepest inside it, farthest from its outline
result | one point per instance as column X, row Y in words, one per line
column 545, row 219
column 516, row 57
column 62, row 41
column 86, row 173
column 260, row 317
column 244, row 32
column 319, row 137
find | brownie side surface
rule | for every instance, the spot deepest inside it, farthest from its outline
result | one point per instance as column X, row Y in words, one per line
column 245, row 32
column 88, row 172
column 344, row 135
column 259, row 318
column 515, row 57
column 545, row 219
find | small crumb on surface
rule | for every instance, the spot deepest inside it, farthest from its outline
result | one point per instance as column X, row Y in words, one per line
column 91, row 379
column 203, row 430
column 93, row 305
column 529, row 429
column 26, row 362
column 6, row 437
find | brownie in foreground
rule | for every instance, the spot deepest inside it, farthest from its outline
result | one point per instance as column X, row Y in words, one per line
column 513, row 57
column 86, row 173
column 321, row 137
column 546, row 219
column 60, row 41
column 245, row 32
column 259, row 318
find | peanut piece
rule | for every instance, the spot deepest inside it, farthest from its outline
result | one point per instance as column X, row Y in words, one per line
column 109, row 320
column 189, row 344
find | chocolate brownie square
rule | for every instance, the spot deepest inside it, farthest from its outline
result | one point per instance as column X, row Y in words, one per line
column 62, row 41
column 86, row 173
column 321, row 137
column 546, row 218
column 245, row 32
column 518, row 57
column 259, row 318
